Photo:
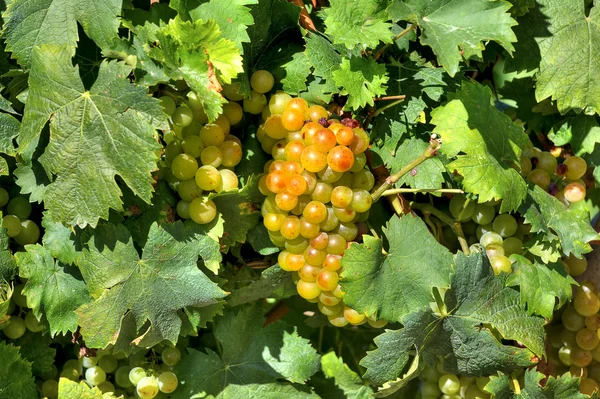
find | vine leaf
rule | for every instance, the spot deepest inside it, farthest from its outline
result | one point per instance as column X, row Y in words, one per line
column 361, row 23
column 457, row 29
column 35, row 347
column 485, row 143
column 397, row 283
column 531, row 276
column 30, row 24
column 94, row 135
column 568, row 68
column 9, row 126
column 581, row 131
column 549, row 216
column 68, row 389
column 563, row 387
column 53, row 289
column 16, row 379
column 253, row 358
column 346, row 379
column 481, row 311
column 150, row 289
column 361, row 79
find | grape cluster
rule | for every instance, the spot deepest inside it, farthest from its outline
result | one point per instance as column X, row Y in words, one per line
column 575, row 342
column 317, row 190
column 436, row 384
column 16, row 222
column 201, row 155
column 561, row 180
column 21, row 318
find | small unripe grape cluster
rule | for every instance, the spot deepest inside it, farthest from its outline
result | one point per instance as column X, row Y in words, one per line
column 21, row 318
column 437, row 384
column 201, row 155
column 137, row 376
column 317, row 190
column 16, row 219
column 575, row 342
column 561, row 180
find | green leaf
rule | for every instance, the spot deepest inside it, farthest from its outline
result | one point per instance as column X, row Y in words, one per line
column 568, row 66
column 273, row 282
column 297, row 71
column 94, row 135
column 15, row 374
column 30, row 24
column 361, row 79
column 549, row 216
column 547, row 251
column 477, row 302
column 361, row 23
column 485, row 143
column 323, row 58
column 346, row 379
column 9, row 129
column 258, row 237
column 52, row 289
column 457, row 29
column 8, row 265
column 400, row 281
column 59, row 240
column 530, row 277
column 35, row 347
column 563, row 387
column 68, row 389
column 33, row 180
column 581, row 131
column 251, row 356
column 151, row 288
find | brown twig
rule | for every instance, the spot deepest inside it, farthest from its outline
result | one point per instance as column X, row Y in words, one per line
column 384, row 98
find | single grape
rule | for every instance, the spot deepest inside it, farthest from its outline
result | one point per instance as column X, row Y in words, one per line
column 20, row 207
column 233, row 112
column 192, row 145
column 329, row 310
column 4, row 197
column 232, row 153
column 449, row 384
column 95, row 375
column 540, row 178
column 29, row 233
column 586, row 303
column 147, row 388
column 361, row 200
column 15, row 328
column 340, row 158
column 89, row 361
column 501, row 264
column 32, row 323
column 278, row 102
column 457, row 203
column 331, row 222
column 183, row 209
column 232, row 91
column 327, row 280
column 572, row 320
column 490, row 238
column 208, row 178
column 576, row 266
column 136, row 374
column 184, row 167
column 167, row 382
column 526, row 165
column 587, row 339
column 168, row 105
column 576, row 167
column 229, row 180
column 172, row 150
column 588, row 386
column 212, row 134
column 574, row 192
column 360, row 143
column 202, row 210
column 292, row 120
column 195, row 105
column 353, row 316
column 255, row 103
column 108, row 363
column 338, row 320
column 106, row 386
column 315, row 113
column 171, row 356
column 12, row 224
column 494, row 250
column 50, row 389
column 505, row 225
column 348, row 230
column 314, row 160
column 580, row 357
column 211, row 156
column 188, row 190
column 262, row 81
column 363, row 180
column 122, row 377
column 483, row 214
column 182, row 116
column 308, row 290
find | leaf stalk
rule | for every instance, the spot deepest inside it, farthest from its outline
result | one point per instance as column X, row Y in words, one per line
column 398, row 36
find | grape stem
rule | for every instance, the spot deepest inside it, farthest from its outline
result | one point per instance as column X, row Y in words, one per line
column 398, row 36
column 455, row 225
column 384, row 98
column 394, row 191
column 515, row 381
column 440, row 302
column 430, row 152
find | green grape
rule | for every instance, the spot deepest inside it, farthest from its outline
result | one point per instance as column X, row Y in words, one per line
column 574, row 192
column 12, row 224
column 336, row 244
column 347, row 230
column 29, row 234
column 95, row 375
column 193, row 129
column 576, row 266
column 526, row 165
column 262, row 81
column 449, row 384
column 362, row 200
column 136, row 374
column 483, row 214
column 15, row 328
column 329, row 310
column 212, row 134
column 147, row 388
column 456, row 207
column 233, row 112
column 18, row 298
column 70, row 374
column 278, row 101
column 89, row 361
column 208, row 178
column 344, row 214
column 229, row 180
column 580, row 357
column 167, row 382
column 202, row 211
column 108, row 363
column 188, row 190
column 322, row 192
column 169, row 137
column 329, row 175
column 172, row 150
column 501, row 264
column 430, row 388
column 50, row 389
column 587, row 339
column 232, row 91
column 546, row 162
column 211, row 156
column 475, row 393
column 482, row 229
column 540, row 178
column 505, row 225
column 490, row 238
column 255, row 103
column 122, row 377
column 183, row 209
column 171, row 356
column 195, row 105
column 184, row 167
column 168, row 104
column 297, row 245
column 20, row 207
column 106, row 386
column 3, row 197
column 363, row 180
column 586, row 303
column 481, row 382
column 576, row 167
column 182, row 116
column 32, row 323
column 232, row 153
column 192, row 145
column 572, row 320
column 494, row 250
column 512, row 245
column 331, row 222
column 360, row 160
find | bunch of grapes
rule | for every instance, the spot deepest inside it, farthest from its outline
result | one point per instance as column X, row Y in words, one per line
column 561, row 180
column 317, row 190
column 575, row 343
column 21, row 318
column 16, row 222
column 436, row 384
column 201, row 155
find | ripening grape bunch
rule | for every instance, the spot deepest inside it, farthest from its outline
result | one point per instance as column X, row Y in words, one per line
column 16, row 219
column 564, row 180
column 575, row 342
column 317, row 192
column 200, row 155
column 437, row 384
